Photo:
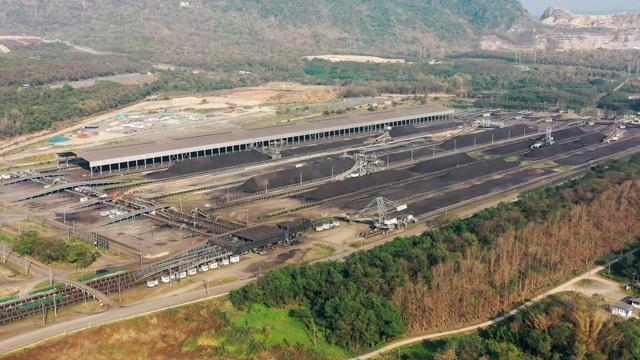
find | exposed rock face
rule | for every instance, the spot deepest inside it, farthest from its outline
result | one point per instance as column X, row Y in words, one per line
column 560, row 17
column 567, row 31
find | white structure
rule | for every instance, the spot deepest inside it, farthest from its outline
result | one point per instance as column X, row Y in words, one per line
column 622, row 309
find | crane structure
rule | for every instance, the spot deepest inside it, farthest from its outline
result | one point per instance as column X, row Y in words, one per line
column 274, row 148
column 365, row 164
column 547, row 141
column 379, row 139
column 381, row 207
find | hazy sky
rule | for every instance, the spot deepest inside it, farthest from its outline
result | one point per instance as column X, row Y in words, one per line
column 537, row 7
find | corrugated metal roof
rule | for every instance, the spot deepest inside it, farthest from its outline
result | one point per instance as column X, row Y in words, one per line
column 105, row 155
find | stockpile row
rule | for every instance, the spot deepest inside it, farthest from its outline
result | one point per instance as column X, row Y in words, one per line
column 351, row 185
column 558, row 149
column 407, row 130
column 210, row 163
column 466, row 193
column 485, row 137
column 454, row 176
column 318, row 170
column 327, row 146
column 607, row 150
column 406, row 155
column 510, row 148
column 445, row 162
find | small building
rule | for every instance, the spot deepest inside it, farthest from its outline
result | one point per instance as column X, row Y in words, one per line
column 622, row 309
column 257, row 237
column 295, row 227
column 635, row 301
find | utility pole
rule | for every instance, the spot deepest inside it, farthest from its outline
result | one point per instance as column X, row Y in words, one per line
column 55, row 305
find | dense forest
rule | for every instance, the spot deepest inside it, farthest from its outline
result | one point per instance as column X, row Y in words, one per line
column 567, row 326
column 467, row 270
column 259, row 35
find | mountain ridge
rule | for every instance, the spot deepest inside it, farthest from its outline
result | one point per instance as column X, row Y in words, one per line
column 211, row 33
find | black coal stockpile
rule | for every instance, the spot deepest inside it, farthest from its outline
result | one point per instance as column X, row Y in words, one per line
column 326, row 146
column 399, row 131
column 550, row 151
column 558, row 149
column 591, row 139
column 211, row 163
column 486, row 137
column 351, row 185
column 407, row 155
column 559, row 135
column 321, row 169
column 477, row 170
column 510, row 148
column 442, row 163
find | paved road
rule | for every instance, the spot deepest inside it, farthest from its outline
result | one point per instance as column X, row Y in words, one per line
column 561, row 288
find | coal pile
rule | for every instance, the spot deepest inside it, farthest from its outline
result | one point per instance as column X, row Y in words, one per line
column 458, row 195
column 439, row 126
column 446, row 162
column 406, row 155
column 559, row 135
column 550, row 151
column 351, row 185
column 510, row 148
column 601, row 152
column 321, row 169
column 486, row 137
column 400, row 131
column 209, row 163
column 591, row 139
column 477, row 170
column 326, row 146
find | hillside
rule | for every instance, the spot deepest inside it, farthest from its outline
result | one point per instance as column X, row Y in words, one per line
column 561, row 30
column 217, row 35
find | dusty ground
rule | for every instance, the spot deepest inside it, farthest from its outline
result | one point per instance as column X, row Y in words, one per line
column 598, row 285
column 355, row 58
column 250, row 103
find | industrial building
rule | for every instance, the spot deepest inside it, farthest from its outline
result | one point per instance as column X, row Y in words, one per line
column 150, row 153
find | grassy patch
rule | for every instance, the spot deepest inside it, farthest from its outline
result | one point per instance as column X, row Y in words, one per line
column 10, row 298
column 547, row 165
column 35, row 225
column 424, row 350
column 319, row 251
column 5, row 210
column 476, row 154
column 183, row 197
column 585, row 282
column 511, row 158
column 114, row 254
column 525, row 162
column 15, row 270
column 281, row 328
column 44, row 286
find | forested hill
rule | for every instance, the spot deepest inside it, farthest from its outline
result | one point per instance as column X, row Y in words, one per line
column 210, row 34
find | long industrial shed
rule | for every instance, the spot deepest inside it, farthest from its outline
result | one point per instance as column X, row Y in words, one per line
column 151, row 153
